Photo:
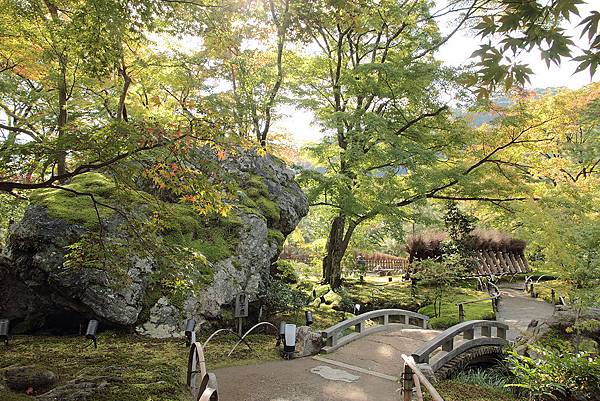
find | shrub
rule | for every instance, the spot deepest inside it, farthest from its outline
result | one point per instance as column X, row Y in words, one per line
column 286, row 271
column 443, row 322
column 281, row 297
column 557, row 376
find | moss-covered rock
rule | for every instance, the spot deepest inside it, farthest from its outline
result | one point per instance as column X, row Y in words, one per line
column 196, row 263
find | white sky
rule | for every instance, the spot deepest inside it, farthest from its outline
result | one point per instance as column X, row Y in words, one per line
column 303, row 128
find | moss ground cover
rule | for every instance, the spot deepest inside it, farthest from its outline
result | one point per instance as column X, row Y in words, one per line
column 151, row 369
column 378, row 293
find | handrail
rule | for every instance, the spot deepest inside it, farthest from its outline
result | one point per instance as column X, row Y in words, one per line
column 248, row 332
column 201, row 383
column 445, row 339
column 412, row 371
column 476, row 300
column 333, row 336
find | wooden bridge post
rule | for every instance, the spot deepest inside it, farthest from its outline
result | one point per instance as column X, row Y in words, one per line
column 407, row 383
column 461, row 313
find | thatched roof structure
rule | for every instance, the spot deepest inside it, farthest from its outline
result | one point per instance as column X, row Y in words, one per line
column 498, row 252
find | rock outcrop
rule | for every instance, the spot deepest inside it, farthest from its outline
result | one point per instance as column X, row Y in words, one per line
column 37, row 290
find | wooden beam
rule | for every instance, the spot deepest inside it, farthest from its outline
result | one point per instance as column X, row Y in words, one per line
column 410, row 362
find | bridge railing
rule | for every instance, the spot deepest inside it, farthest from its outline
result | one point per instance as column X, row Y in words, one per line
column 337, row 335
column 201, row 383
column 413, row 378
column 467, row 330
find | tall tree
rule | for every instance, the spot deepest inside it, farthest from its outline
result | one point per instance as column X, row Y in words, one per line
column 247, row 45
column 391, row 138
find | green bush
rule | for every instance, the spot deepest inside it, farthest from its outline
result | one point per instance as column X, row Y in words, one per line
column 556, row 376
column 443, row 322
column 286, row 271
column 281, row 297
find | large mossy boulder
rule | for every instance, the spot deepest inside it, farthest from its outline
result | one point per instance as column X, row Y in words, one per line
column 41, row 288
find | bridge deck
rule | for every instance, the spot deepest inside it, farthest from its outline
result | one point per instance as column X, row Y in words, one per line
column 381, row 352
column 294, row 381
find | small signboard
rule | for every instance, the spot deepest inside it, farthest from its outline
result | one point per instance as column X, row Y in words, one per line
column 241, row 305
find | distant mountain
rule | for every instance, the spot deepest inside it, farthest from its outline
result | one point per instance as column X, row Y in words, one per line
column 503, row 101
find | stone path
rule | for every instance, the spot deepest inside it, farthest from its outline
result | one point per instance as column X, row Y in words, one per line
column 294, row 381
column 364, row 370
column 518, row 309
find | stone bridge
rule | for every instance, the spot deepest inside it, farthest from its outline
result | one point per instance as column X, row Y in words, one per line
column 376, row 340
column 362, row 360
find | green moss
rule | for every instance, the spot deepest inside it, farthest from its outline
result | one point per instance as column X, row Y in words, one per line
column 269, row 208
column 255, row 186
column 151, row 369
column 69, row 206
column 255, row 197
column 217, row 240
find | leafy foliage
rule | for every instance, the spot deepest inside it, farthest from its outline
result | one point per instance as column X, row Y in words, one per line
column 512, row 28
column 557, row 376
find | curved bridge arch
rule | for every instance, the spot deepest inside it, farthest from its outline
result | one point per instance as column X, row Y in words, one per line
column 336, row 336
column 461, row 341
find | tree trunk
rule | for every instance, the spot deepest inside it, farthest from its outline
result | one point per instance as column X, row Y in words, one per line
column 61, row 121
column 61, row 156
column 337, row 244
column 122, row 109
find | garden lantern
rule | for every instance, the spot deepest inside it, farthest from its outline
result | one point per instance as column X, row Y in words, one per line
column 289, row 345
column 357, row 309
column 90, row 333
column 4, row 326
column 309, row 317
column 190, row 325
column 281, row 335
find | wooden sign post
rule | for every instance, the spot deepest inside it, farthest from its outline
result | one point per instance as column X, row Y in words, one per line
column 241, row 309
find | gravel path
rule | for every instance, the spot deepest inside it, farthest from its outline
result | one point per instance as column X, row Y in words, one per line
column 518, row 309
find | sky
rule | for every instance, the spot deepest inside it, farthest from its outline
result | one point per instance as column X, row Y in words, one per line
column 303, row 128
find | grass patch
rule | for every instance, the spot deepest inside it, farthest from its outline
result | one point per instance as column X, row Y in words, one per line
column 455, row 390
column 449, row 315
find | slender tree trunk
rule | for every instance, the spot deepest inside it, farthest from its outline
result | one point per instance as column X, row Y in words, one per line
column 122, row 109
column 61, row 156
column 337, row 244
